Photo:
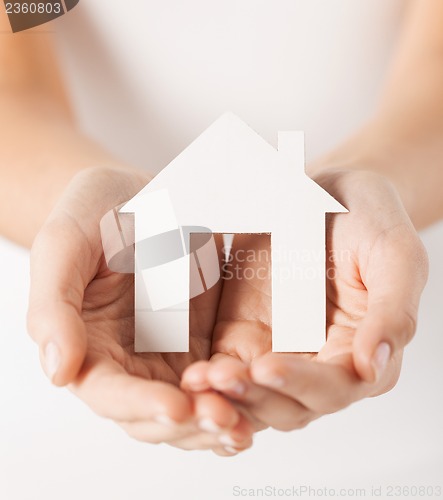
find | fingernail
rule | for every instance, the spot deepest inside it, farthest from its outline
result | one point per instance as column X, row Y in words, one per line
column 238, row 388
column 227, row 440
column 51, row 360
column 208, row 425
column 231, row 450
column 381, row 358
column 234, row 386
column 277, row 382
column 165, row 420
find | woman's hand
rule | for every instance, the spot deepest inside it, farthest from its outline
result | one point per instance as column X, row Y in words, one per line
column 376, row 270
column 81, row 316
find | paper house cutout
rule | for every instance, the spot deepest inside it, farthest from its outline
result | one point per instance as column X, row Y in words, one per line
column 230, row 180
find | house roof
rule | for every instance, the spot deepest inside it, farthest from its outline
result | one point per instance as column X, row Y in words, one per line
column 230, row 168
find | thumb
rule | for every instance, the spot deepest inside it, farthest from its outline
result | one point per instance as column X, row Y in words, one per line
column 60, row 257
column 395, row 278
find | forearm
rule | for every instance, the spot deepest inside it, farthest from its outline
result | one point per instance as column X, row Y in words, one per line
column 404, row 138
column 41, row 146
column 413, row 164
column 42, row 150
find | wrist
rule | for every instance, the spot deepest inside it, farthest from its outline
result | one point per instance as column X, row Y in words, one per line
column 350, row 158
column 93, row 190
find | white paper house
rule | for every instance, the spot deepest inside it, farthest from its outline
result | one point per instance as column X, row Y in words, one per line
column 230, row 180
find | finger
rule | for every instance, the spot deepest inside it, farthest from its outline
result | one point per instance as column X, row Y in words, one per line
column 215, row 421
column 394, row 277
column 203, row 307
column 194, row 378
column 229, row 448
column 264, row 406
column 238, row 438
column 321, row 387
column 57, row 287
column 212, row 426
column 112, row 393
column 244, row 315
column 231, row 377
column 214, row 413
column 218, row 423
column 243, row 339
column 152, row 432
column 198, row 441
column 226, row 451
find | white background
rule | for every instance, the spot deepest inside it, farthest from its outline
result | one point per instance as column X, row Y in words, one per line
column 53, row 447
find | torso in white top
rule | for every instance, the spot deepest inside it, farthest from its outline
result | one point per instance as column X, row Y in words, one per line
column 147, row 77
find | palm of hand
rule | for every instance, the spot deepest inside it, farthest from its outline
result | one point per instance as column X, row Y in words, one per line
column 86, row 313
column 367, row 254
column 92, row 309
column 108, row 313
column 108, row 316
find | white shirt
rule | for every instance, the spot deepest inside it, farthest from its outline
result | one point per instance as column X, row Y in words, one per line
column 147, row 77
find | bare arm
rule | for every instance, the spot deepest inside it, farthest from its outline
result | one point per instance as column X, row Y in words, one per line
column 404, row 138
column 41, row 146
column 47, row 189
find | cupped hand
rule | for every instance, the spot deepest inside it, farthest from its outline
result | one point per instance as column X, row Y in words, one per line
column 376, row 271
column 81, row 315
